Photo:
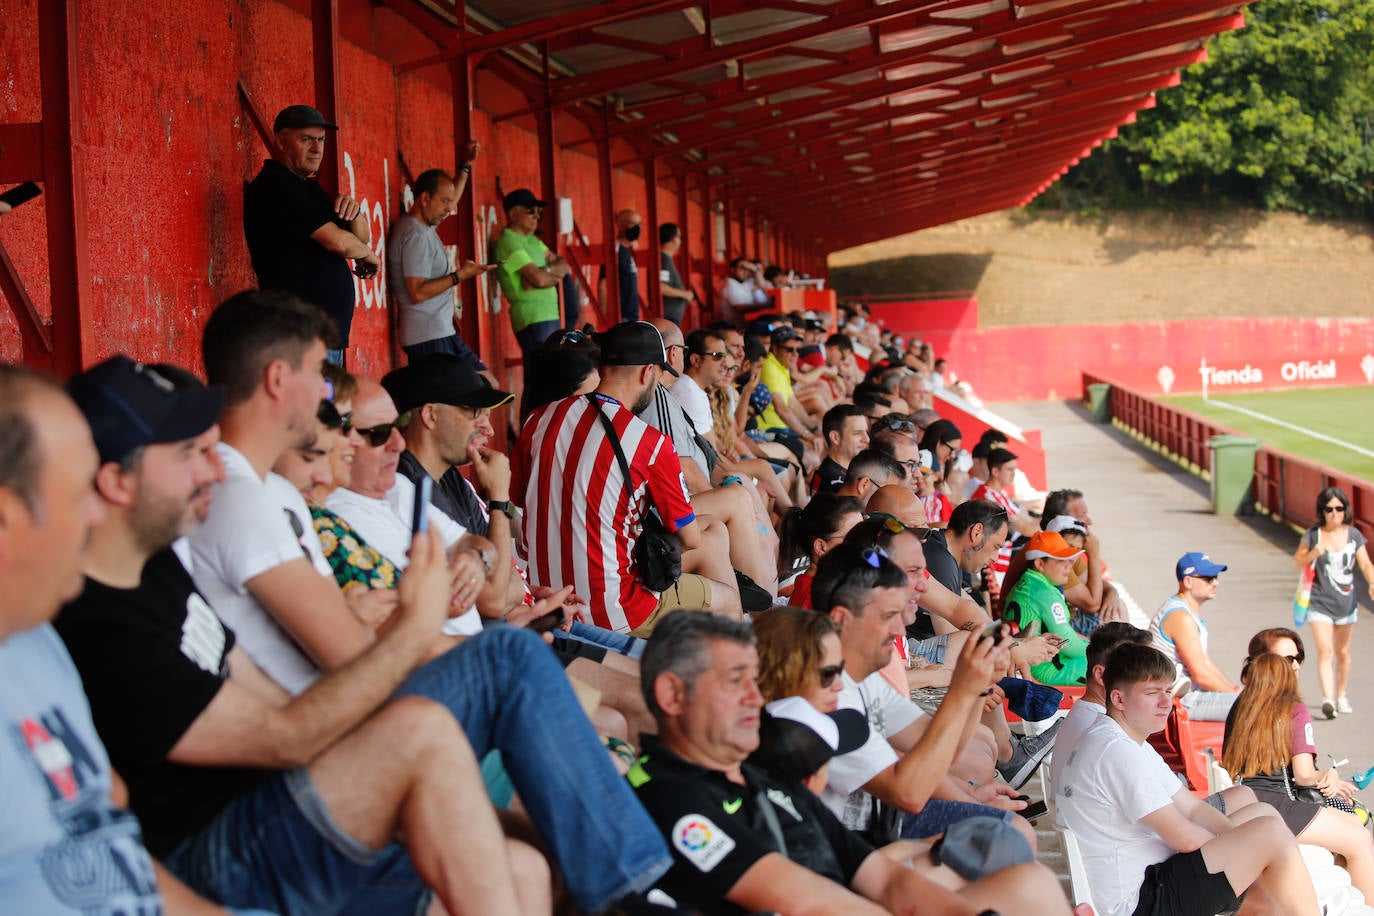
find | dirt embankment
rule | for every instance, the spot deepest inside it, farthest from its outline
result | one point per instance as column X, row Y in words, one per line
column 1057, row 269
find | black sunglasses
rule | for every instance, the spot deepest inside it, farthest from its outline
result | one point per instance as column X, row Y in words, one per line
column 377, row 436
column 830, row 672
column 1327, row 509
column 329, row 416
column 896, row 423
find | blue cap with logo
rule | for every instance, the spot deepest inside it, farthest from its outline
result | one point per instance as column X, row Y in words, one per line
column 1197, row 564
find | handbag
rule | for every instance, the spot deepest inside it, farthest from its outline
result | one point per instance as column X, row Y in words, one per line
column 1313, row 796
column 1303, row 596
column 658, row 551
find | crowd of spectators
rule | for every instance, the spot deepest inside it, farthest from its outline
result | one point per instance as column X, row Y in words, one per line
column 732, row 626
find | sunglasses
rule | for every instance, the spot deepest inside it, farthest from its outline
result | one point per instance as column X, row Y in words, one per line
column 872, row 556
column 790, row 349
column 1328, row 509
column 377, row 436
column 896, row 424
column 714, row 354
column 830, row 672
column 893, row 524
column 330, row 418
column 566, row 338
column 1293, row 659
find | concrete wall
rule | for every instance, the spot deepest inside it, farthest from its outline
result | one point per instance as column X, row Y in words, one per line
column 166, row 148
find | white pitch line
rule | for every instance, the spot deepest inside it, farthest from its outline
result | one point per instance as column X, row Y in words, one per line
column 1295, row 428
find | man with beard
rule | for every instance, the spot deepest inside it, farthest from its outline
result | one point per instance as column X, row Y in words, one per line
column 420, row 275
column 580, row 509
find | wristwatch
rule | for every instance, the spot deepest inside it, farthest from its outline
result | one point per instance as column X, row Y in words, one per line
column 504, row 506
column 454, row 277
column 482, row 554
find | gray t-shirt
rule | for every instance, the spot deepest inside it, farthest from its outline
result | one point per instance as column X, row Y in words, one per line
column 1333, row 590
column 414, row 250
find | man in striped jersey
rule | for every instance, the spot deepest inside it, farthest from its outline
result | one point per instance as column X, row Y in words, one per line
column 582, row 516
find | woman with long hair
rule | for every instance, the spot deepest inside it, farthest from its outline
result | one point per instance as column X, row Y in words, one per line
column 1269, row 748
column 1333, row 547
column 799, row 656
column 808, row 534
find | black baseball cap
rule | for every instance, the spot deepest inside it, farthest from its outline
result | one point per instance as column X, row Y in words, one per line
column 783, row 334
column 521, row 197
column 634, row 343
column 796, row 739
column 301, row 116
column 441, row 378
column 129, row 405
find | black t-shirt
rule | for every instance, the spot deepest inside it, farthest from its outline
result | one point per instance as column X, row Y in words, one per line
column 716, row 831
column 944, row 569
column 151, row 659
column 829, row 477
column 451, row 495
column 280, row 211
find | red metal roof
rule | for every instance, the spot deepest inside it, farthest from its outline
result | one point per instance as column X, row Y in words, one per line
column 847, row 120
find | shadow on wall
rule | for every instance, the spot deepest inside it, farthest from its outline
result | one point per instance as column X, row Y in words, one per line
column 925, row 273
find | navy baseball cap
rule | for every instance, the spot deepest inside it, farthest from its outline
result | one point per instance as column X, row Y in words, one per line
column 301, row 116
column 1197, row 564
column 634, row 343
column 129, row 405
column 521, row 197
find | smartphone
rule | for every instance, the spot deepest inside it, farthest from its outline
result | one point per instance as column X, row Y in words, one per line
column 496, row 262
column 419, row 518
column 993, row 631
column 20, row 194
column 552, row 619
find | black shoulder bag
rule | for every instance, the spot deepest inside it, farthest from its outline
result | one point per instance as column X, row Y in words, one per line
column 658, row 552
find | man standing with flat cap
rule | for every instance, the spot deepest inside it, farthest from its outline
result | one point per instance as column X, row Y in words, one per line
column 529, row 273
column 450, row 425
column 301, row 240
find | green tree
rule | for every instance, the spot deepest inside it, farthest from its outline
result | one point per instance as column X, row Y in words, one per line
column 1280, row 115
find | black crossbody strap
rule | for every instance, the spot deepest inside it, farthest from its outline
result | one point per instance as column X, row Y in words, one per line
column 615, row 444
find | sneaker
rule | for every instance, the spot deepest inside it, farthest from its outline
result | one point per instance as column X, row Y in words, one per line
column 1027, row 751
column 1328, row 708
column 1343, row 705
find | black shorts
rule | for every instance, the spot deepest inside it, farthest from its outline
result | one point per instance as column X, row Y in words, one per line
column 1182, row 886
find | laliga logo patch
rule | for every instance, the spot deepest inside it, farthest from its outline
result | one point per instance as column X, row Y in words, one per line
column 700, row 841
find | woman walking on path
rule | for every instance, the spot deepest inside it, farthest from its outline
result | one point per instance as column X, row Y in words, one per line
column 1332, row 548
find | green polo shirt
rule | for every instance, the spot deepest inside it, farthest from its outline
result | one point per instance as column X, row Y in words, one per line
column 527, row 306
column 1037, row 605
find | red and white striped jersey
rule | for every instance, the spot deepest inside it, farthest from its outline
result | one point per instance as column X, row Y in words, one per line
column 1002, row 561
column 938, row 509
column 581, row 518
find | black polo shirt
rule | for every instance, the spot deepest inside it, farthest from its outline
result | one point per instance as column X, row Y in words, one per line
column 452, row 495
column 716, row 830
column 829, row 477
column 944, row 569
column 280, row 212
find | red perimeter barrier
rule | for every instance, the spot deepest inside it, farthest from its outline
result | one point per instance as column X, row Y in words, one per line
column 1285, row 486
column 1159, row 357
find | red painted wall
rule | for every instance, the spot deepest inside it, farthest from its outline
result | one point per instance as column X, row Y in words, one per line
column 1035, row 363
column 167, row 148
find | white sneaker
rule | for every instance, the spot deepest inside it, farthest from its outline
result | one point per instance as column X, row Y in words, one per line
column 1343, row 705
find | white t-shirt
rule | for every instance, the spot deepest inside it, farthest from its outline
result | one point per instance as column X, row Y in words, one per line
column 1106, row 788
column 742, row 293
column 888, row 713
column 695, row 403
column 1080, row 718
column 385, row 525
column 249, row 532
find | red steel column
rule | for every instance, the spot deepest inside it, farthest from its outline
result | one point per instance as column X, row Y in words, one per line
column 324, row 34
column 653, row 289
column 611, row 305
column 64, row 180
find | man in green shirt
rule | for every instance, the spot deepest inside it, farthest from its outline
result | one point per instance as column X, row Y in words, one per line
column 529, row 273
column 1036, row 604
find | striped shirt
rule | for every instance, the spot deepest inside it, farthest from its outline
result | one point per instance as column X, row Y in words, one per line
column 581, row 518
column 1002, row 561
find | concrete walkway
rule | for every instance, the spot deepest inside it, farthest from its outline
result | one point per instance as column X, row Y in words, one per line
column 1148, row 512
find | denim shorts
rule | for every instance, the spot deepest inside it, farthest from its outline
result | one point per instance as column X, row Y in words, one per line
column 277, row 848
column 938, row 814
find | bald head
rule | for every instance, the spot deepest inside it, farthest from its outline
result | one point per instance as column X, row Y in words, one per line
column 900, row 503
column 671, row 333
column 625, row 219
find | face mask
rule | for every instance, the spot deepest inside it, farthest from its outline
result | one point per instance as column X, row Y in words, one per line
column 632, row 234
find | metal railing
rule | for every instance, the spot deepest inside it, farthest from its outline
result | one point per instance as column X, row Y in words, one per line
column 1285, row 486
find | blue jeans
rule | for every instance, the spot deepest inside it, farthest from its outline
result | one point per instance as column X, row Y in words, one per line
column 508, row 691
column 453, row 345
column 938, row 814
column 532, row 337
column 276, row 848
column 620, row 643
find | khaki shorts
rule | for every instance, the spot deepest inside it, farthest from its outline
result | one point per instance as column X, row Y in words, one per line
column 690, row 593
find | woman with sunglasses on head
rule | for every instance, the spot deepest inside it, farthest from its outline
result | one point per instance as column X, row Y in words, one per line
column 1269, row 749
column 807, row 535
column 566, row 366
column 1333, row 547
